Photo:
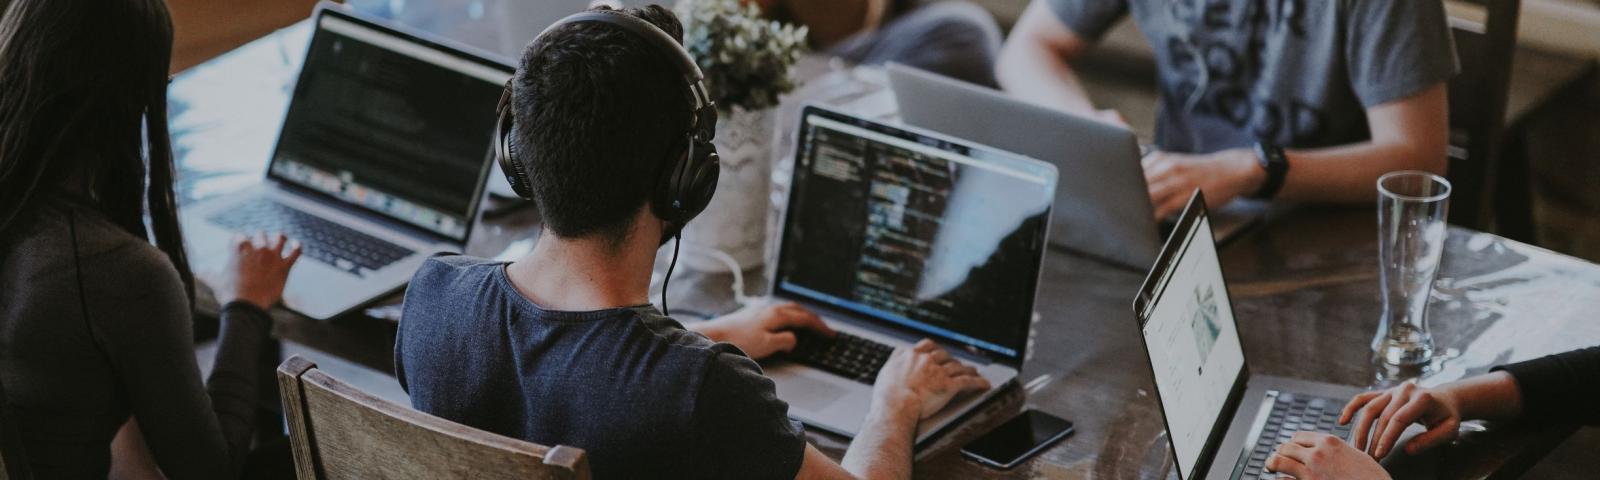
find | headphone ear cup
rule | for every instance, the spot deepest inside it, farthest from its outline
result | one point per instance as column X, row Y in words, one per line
column 505, row 151
column 705, row 171
column 666, row 202
column 688, row 185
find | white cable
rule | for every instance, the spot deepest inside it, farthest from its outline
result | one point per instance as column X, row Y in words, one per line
column 733, row 267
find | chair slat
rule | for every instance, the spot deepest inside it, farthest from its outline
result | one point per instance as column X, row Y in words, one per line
column 349, row 433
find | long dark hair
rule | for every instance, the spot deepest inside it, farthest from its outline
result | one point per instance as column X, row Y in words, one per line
column 83, row 109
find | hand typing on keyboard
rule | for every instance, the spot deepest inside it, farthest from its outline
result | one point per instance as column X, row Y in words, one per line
column 257, row 269
column 764, row 329
column 1384, row 416
column 1319, row 456
column 919, row 380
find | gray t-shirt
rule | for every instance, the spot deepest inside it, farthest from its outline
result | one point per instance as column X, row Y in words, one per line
column 1295, row 73
column 644, row 397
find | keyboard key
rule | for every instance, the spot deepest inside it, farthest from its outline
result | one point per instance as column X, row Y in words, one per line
column 846, row 355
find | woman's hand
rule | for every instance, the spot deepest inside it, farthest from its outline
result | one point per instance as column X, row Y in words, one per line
column 257, row 269
column 1386, row 414
column 1318, row 456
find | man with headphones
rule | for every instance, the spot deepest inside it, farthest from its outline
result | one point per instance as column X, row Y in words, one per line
column 1302, row 100
column 607, row 127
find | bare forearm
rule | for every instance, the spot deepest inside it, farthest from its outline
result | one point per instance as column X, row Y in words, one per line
column 883, row 449
column 1489, row 397
column 709, row 328
column 1349, row 173
column 1035, row 64
column 203, row 29
column 1041, row 77
column 1406, row 134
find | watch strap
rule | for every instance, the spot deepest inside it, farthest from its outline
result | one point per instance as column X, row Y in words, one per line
column 1276, row 164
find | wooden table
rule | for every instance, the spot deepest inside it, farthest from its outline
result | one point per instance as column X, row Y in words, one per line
column 1304, row 287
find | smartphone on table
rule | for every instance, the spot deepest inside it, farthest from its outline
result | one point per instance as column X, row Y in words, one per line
column 1018, row 439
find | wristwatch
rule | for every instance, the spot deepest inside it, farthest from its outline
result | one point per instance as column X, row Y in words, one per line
column 1276, row 163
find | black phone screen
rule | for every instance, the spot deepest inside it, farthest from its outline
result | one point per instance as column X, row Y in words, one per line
column 1018, row 439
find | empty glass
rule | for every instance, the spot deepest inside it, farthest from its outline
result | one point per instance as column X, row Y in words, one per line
column 1411, row 234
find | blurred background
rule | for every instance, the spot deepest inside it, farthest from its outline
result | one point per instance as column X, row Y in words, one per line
column 1546, row 186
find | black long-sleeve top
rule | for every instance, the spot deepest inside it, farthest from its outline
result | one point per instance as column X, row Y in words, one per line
column 1564, row 387
column 95, row 328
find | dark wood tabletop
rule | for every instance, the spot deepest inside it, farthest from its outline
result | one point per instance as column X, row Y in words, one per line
column 1304, row 287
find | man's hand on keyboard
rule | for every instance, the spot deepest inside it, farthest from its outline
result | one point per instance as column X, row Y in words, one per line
column 1318, row 456
column 762, row 329
column 257, row 269
column 919, row 380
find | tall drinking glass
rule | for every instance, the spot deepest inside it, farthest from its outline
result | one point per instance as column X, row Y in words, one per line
column 1411, row 233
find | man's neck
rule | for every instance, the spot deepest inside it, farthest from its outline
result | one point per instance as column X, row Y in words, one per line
column 586, row 274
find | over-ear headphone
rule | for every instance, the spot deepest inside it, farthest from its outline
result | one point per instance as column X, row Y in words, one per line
column 686, row 183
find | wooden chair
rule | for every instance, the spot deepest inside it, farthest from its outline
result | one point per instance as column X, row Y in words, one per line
column 339, row 432
column 1484, row 192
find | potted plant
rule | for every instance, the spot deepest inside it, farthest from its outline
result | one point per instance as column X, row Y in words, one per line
column 746, row 59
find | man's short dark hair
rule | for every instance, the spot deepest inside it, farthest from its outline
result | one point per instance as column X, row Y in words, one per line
column 599, row 112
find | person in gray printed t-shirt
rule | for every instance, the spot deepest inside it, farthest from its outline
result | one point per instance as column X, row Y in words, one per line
column 1294, row 99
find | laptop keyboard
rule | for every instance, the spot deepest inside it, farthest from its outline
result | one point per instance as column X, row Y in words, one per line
column 328, row 242
column 1291, row 413
column 846, row 355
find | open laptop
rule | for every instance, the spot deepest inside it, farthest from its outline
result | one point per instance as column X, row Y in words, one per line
column 1102, row 205
column 1223, row 422
column 894, row 235
column 380, row 163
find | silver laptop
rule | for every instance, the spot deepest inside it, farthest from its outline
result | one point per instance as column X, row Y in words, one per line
column 1103, row 204
column 380, row 163
column 894, row 235
column 1222, row 421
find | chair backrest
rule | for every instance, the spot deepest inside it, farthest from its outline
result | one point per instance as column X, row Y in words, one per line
column 339, row 432
column 1478, row 106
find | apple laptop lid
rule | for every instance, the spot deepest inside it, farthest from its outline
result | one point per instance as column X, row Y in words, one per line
column 1102, row 205
column 392, row 124
column 916, row 232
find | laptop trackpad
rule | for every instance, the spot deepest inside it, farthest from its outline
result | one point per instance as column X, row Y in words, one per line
column 810, row 393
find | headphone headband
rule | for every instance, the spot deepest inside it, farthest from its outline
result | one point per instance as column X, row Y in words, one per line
column 685, row 184
column 650, row 34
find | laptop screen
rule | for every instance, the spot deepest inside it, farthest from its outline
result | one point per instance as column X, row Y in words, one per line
column 392, row 124
column 1191, row 338
column 921, row 233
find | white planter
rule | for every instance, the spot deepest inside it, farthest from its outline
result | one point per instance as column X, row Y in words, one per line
column 735, row 223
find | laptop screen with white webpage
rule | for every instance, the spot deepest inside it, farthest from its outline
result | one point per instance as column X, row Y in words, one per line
column 1186, row 322
column 916, row 232
column 392, row 124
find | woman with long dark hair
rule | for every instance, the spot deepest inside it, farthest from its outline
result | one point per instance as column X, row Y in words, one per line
column 95, row 292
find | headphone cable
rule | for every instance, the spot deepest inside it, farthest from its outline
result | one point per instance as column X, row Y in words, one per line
column 677, row 243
